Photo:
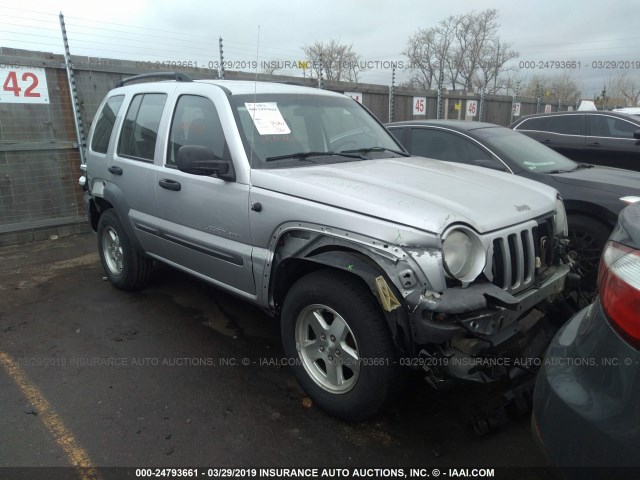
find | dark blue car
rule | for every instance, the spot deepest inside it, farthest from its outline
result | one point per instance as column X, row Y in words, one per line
column 587, row 395
column 593, row 195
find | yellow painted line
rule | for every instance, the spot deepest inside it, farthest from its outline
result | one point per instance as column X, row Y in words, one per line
column 76, row 455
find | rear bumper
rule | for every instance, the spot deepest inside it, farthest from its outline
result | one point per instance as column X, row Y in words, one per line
column 585, row 400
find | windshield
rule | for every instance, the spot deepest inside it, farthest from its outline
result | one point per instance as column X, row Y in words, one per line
column 527, row 153
column 285, row 130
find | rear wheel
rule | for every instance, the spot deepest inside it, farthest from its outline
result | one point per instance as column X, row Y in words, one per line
column 344, row 357
column 587, row 237
column 126, row 267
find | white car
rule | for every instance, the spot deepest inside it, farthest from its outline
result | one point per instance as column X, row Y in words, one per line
column 629, row 110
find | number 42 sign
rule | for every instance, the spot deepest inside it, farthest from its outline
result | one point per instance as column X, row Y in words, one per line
column 23, row 85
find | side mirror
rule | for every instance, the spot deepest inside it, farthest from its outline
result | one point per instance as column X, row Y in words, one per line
column 636, row 134
column 200, row 160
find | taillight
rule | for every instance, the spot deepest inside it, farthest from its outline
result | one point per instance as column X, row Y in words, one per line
column 619, row 288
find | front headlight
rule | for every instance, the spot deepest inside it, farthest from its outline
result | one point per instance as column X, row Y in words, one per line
column 560, row 219
column 463, row 254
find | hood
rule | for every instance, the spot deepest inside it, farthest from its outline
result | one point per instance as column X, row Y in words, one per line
column 615, row 180
column 418, row 192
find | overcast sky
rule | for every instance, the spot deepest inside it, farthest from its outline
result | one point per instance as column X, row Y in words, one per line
column 587, row 31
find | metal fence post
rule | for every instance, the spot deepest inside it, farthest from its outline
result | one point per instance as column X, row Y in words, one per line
column 392, row 92
column 221, row 69
column 75, row 104
column 320, row 79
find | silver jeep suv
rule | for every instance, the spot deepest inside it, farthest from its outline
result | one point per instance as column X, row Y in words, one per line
column 299, row 201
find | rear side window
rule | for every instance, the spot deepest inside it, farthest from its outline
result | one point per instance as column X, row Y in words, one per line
column 104, row 125
column 140, row 128
column 437, row 144
column 606, row 126
column 566, row 124
column 196, row 122
column 539, row 123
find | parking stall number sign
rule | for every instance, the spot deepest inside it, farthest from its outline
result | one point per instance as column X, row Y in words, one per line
column 357, row 96
column 23, row 84
column 472, row 108
column 516, row 109
column 419, row 105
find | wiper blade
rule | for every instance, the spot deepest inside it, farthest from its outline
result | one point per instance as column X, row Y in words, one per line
column 580, row 166
column 583, row 165
column 379, row 149
column 306, row 155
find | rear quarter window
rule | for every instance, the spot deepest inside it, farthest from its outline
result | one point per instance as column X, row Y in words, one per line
column 140, row 128
column 104, row 125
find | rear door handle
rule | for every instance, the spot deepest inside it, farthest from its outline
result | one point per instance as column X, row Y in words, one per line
column 546, row 140
column 595, row 144
column 115, row 170
column 170, row 184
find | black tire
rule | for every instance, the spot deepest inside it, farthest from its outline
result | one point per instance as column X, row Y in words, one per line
column 125, row 266
column 587, row 237
column 327, row 293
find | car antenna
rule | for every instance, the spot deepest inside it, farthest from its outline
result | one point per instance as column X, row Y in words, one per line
column 255, row 88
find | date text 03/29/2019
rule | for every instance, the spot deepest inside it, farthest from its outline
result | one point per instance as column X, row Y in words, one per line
column 577, row 64
column 314, row 472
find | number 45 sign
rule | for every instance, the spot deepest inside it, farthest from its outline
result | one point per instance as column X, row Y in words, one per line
column 23, row 85
column 419, row 105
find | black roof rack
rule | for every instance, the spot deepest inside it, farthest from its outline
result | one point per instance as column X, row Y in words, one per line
column 179, row 77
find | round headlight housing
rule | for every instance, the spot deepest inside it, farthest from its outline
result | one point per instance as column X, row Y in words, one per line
column 462, row 254
column 560, row 219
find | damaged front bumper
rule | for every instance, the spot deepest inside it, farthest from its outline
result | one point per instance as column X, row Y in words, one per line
column 482, row 333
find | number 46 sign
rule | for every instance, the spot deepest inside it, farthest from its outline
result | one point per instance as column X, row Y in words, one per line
column 472, row 108
column 23, row 84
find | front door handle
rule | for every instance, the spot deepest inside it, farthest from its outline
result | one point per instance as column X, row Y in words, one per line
column 170, row 184
column 115, row 170
column 595, row 144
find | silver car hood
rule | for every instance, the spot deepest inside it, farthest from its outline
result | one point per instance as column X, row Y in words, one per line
column 418, row 192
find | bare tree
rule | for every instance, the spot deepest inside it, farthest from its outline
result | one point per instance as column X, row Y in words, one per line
column 534, row 86
column 462, row 51
column 624, row 90
column 430, row 55
column 421, row 54
column 339, row 61
column 564, row 86
column 559, row 86
column 493, row 72
column 512, row 84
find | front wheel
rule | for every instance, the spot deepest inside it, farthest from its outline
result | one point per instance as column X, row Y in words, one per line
column 126, row 267
column 340, row 344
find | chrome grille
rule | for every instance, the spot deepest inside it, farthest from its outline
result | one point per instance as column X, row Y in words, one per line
column 514, row 252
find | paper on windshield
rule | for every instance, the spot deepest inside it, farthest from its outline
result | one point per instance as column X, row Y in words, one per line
column 267, row 118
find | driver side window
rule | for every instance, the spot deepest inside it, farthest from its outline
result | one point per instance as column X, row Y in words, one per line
column 196, row 122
